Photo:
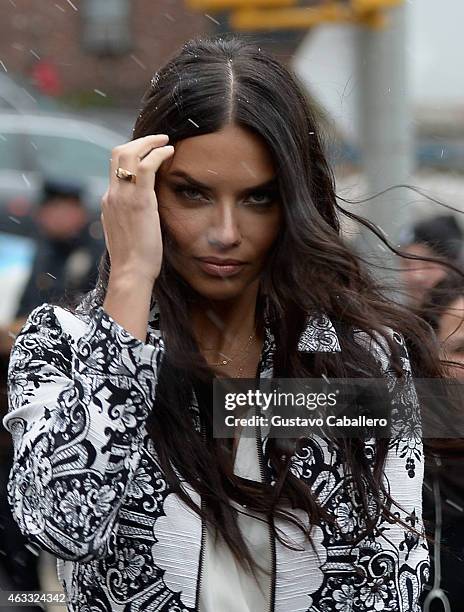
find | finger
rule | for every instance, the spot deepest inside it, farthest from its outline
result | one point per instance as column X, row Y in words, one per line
column 128, row 154
column 140, row 147
column 147, row 168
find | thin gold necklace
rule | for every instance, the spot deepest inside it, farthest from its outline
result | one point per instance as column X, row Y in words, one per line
column 238, row 373
column 240, row 368
column 229, row 360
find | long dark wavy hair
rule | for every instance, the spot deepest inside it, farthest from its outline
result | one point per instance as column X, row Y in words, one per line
column 210, row 83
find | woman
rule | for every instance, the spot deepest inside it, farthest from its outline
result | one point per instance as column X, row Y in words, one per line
column 443, row 309
column 231, row 266
column 437, row 236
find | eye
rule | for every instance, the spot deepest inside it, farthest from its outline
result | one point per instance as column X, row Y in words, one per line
column 268, row 200
column 186, row 191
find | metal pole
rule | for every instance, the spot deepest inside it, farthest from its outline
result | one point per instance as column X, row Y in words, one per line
column 385, row 132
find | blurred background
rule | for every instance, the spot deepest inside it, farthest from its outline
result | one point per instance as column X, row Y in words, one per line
column 382, row 72
column 384, row 75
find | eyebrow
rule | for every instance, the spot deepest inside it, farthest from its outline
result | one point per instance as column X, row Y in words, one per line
column 270, row 184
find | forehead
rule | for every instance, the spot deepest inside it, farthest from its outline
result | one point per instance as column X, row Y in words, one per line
column 419, row 250
column 232, row 154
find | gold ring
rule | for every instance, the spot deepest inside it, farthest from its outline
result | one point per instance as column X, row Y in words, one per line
column 125, row 175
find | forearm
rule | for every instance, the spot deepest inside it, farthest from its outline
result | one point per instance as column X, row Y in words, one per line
column 82, row 413
column 127, row 301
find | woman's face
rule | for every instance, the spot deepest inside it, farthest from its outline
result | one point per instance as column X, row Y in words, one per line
column 451, row 334
column 218, row 196
column 420, row 276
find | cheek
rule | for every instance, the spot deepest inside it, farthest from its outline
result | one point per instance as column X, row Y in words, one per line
column 185, row 227
column 264, row 232
column 73, row 217
column 436, row 273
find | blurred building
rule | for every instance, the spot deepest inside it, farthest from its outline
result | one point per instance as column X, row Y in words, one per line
column 108, row 46
column 104, row 51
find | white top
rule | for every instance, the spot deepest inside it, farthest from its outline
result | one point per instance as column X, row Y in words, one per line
column 224, row 584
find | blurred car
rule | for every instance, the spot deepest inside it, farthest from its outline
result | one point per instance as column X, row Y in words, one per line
column 16, row 257
column 34, row 146
column 19, row 95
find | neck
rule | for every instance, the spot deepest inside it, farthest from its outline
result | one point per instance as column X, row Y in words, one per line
column 219, row 325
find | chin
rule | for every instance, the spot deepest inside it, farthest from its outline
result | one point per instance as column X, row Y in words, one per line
column 219, row 293
column 218, row 289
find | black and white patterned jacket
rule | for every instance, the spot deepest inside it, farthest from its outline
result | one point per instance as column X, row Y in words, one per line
column 86, row 484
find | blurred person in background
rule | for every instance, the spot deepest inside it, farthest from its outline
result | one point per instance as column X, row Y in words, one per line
column 19, row 559
column 65, row 262
column 67, row 255
column 66, row 259
column 438, row 236
column 443, row 309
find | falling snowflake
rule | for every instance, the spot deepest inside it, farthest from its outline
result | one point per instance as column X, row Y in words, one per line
column 212, row 19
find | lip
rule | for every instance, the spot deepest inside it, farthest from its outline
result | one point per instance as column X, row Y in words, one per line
column 221, row 261
column 212, row 267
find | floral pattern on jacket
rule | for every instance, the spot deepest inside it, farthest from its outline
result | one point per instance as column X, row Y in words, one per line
column 86, row 484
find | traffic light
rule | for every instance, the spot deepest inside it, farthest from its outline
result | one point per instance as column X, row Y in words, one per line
column 293, row 14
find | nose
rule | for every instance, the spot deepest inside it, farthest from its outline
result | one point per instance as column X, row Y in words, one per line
column 224, row 230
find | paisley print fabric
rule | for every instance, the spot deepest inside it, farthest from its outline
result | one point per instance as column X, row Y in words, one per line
column 86, row 484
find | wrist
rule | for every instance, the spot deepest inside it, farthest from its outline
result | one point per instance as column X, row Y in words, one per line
column 127, row 301
column 131, row 276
